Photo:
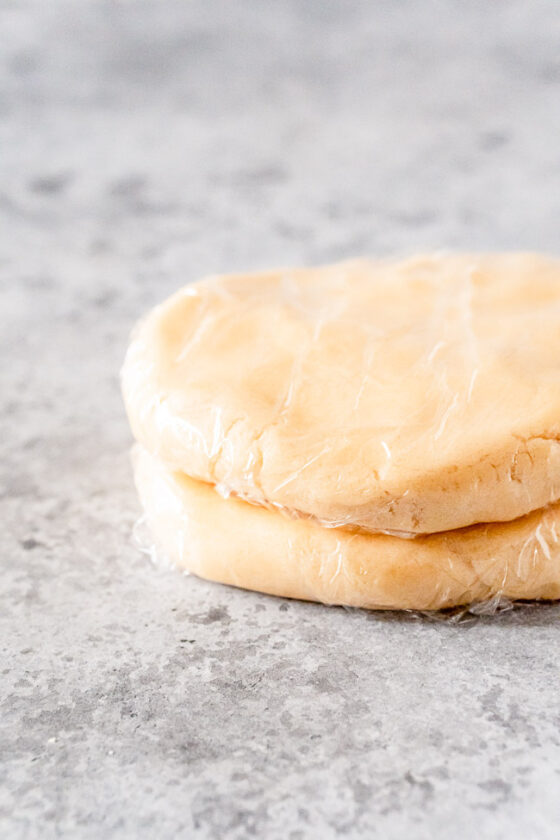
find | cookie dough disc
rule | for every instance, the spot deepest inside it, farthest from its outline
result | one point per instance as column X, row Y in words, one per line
column 233, row 542
column 414, row 396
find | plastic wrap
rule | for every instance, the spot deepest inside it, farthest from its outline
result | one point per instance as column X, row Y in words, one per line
column 360, row 418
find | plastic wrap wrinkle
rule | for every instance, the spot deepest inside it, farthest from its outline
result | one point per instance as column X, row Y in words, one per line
column 227, row 493
column 143, row 541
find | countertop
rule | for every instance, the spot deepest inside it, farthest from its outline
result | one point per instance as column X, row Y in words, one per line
column 144, row 144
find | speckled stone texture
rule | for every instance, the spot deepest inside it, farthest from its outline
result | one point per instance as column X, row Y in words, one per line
column 143, row 144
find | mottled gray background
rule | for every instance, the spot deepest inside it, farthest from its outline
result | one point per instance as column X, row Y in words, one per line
column 141, row 145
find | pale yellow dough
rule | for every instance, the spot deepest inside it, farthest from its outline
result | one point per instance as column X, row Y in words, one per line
column 414, row 396
column 233, row 542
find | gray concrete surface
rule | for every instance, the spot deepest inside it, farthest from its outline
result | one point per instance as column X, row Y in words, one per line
column 143, row 144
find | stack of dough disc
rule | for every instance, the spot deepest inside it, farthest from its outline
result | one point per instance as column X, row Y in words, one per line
column 378, row 434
